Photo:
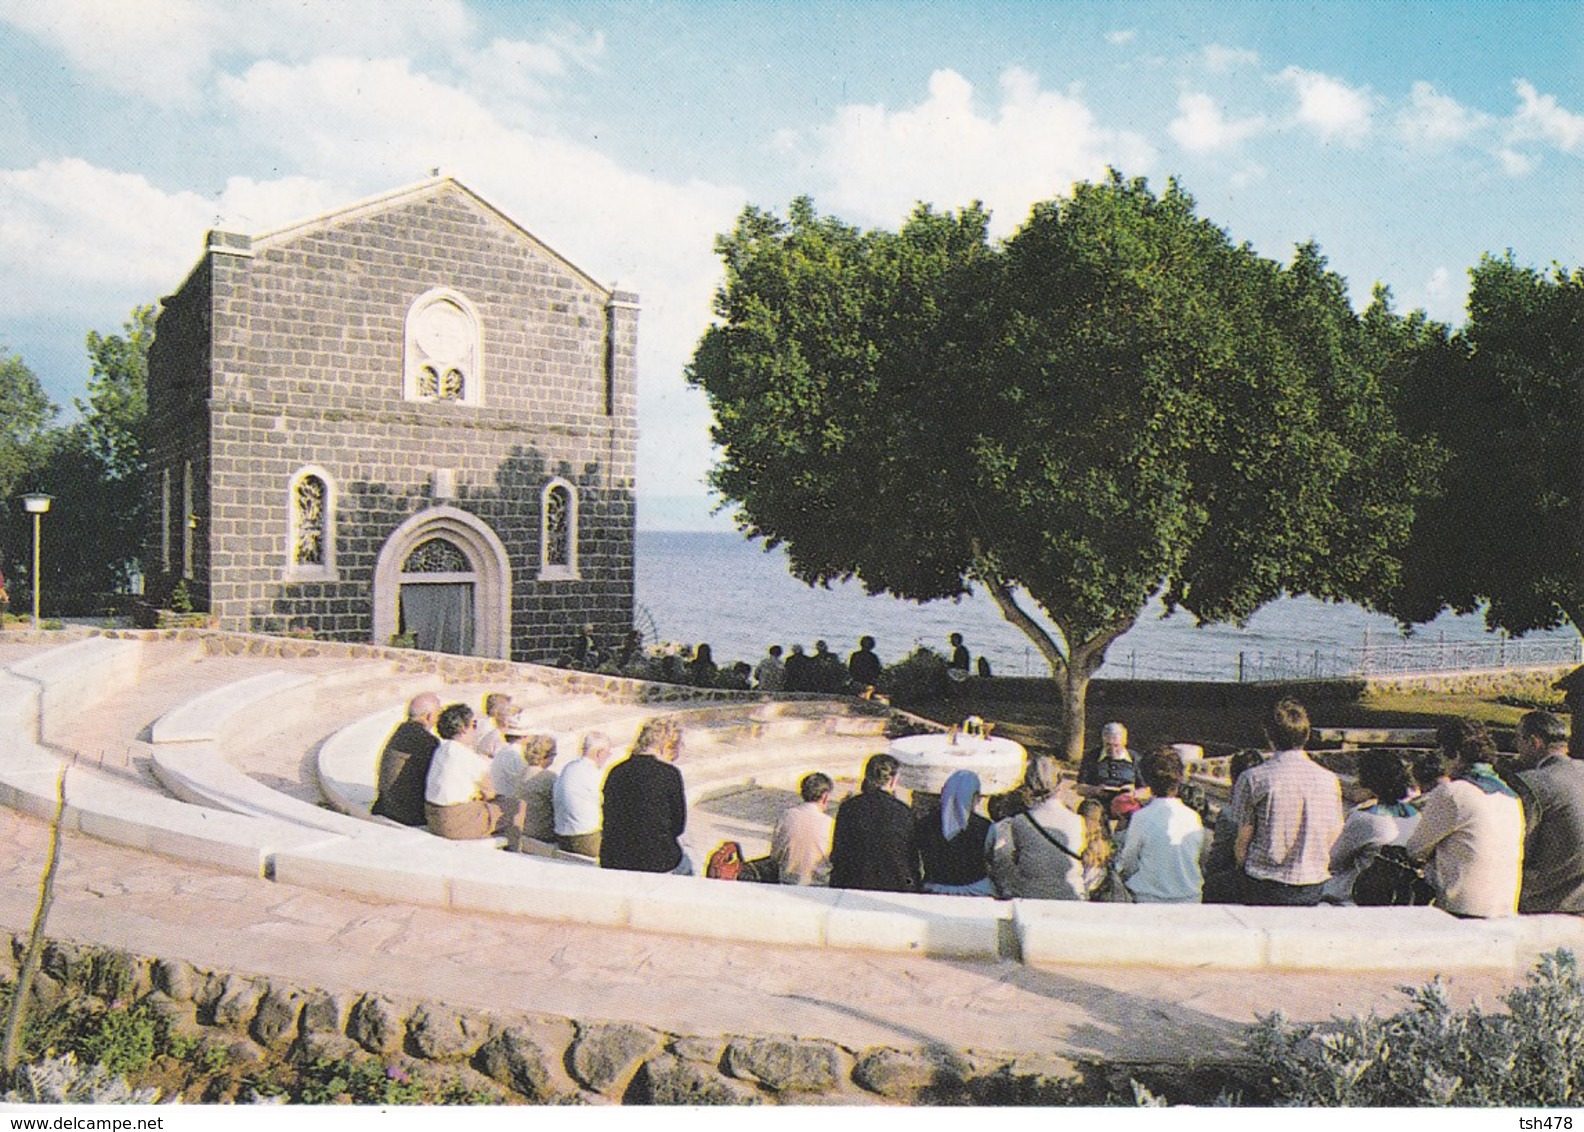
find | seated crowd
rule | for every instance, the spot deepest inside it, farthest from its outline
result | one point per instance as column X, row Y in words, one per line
column 1491, row 841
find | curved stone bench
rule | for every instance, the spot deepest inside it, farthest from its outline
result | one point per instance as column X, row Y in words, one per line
column 79, row 675
column 411, row 867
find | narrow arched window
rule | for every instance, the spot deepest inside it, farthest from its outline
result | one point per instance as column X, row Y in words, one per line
column 558, row 532
column 310, row 551
column 443, row 350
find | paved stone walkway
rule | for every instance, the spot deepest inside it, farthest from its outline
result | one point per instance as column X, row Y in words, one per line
column 116, row 897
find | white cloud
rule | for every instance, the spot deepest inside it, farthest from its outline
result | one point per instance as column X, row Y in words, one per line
column 68, row 227
column 1516, row 164
column 1329, row 106
column 1220, row 59
column 1250, row 173
column 165, row 51
column 1201, row 126
column 1433, row 118
column 521, row 68
column 1540, row 118
column 1124, row 36
column 372, row 125
column 945, row 150
column 1444, row 294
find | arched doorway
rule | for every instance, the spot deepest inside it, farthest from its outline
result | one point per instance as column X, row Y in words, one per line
column 443, row 576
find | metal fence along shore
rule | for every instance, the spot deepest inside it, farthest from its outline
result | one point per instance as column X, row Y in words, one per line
column 1411, row 658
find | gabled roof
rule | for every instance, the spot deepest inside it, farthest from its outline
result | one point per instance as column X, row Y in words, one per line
column 395, row 198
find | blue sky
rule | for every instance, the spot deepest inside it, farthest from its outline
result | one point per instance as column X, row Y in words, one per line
column 1407, row 138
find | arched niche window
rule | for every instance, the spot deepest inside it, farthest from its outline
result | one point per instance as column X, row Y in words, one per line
column 443, row 351
column 310, row 546
column 558, row 532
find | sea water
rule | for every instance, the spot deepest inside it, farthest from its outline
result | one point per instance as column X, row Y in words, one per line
column 723, row 589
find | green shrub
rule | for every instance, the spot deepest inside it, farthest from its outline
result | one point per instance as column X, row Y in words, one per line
column 123, row 1041
column 1431, row 1054
column 919, row 676
column 362, row 1081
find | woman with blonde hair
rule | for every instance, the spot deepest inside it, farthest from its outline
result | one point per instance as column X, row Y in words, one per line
column 645, row 806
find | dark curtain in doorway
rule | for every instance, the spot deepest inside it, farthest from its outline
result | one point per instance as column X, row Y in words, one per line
column 439, row 615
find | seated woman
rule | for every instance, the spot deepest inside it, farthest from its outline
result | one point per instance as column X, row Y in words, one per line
column 459, row 802
column 1098, row 849
column 953, row 845
column 1165, row 840
column 1386, row 818
column 1039, row 853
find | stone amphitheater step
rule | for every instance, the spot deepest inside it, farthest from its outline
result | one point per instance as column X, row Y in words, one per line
column 779, row 764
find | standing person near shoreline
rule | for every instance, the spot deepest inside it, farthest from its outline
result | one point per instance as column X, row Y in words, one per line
column 960, row 662
column 1288, row 812
column 770, row 676
column 863, row 666
column 799, row 671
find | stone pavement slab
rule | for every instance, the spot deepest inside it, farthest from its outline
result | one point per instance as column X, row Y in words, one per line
column 118, row 897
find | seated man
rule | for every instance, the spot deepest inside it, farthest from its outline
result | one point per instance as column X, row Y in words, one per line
column 1110, row 771
column 575, row 800
column 1288, row 812
column 873, row 845
column 800, row 847
column 459, row 802
column 1471, row 829
column 645, row 806
column 404, row 763
column 1552, row 791
column 1160, row 858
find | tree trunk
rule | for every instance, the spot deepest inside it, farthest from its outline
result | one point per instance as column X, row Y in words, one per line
column 1071, row 670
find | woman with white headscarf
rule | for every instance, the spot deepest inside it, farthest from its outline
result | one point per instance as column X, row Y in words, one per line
column 953, row 846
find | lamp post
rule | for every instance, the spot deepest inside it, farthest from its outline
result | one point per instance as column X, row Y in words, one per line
column 36, row 503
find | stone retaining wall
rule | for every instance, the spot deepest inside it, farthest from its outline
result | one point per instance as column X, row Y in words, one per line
column 553, row 1060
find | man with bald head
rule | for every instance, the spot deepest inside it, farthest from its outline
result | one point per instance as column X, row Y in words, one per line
column 404, row 763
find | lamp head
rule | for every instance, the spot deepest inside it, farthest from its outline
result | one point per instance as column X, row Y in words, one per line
column 36, row 502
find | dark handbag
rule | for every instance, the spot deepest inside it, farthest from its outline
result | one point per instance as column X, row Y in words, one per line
column 1392, row 879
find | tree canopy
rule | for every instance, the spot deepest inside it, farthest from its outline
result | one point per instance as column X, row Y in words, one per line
column 1504, row 397
column 93, row 467
column 1115, row 402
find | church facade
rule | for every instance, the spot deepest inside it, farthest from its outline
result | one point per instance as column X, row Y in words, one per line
column 405, row 420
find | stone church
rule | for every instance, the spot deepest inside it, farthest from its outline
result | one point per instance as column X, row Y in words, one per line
column 407, row 419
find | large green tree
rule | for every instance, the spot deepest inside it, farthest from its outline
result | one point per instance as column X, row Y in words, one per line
column 1505, row 398
column 25, row 416
column 95, row 469
column 1115, row 402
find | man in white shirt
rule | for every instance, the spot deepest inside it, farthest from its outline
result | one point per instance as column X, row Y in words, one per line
column 459, row 802
column 1165, row 841
column 576, row 798
column 801, row 844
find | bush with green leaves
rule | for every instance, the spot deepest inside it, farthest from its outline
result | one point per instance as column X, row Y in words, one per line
column 921, row 675
column 1434, row 1055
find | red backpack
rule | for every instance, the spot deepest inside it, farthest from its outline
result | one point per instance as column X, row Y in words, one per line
column 726, row 862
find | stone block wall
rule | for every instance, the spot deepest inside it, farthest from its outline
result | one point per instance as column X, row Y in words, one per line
column 528, row 1058
column 306, row 370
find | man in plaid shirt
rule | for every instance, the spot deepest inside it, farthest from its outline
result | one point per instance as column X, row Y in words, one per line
column 1288, row 814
